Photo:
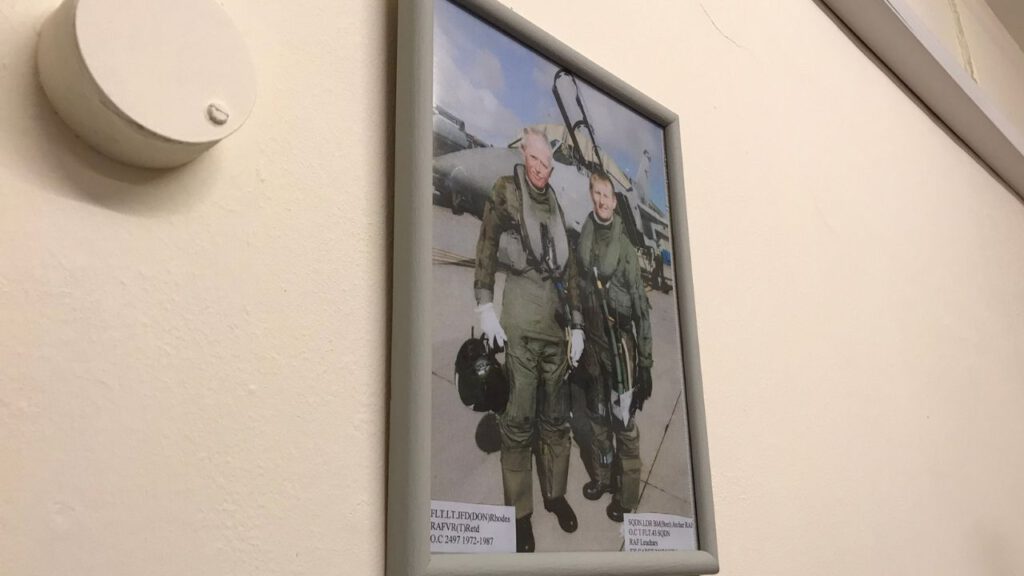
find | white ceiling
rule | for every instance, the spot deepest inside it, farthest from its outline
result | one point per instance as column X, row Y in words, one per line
column 1011, row 14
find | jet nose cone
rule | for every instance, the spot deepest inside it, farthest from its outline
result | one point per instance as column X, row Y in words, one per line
column 447, row 169
column 465, row 178
column 443, row 166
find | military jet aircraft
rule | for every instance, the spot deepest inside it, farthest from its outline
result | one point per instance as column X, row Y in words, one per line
column 450, row 133
column 463, row 181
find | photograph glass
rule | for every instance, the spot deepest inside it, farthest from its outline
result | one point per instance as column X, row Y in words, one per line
column 558, row 413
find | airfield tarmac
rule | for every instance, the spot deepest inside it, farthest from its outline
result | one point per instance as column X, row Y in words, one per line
column 463, row 472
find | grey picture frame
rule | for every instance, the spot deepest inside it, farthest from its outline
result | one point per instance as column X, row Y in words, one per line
column 408, row 549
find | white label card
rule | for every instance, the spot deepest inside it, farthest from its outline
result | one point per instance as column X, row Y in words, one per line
column 651, row 532
column 456, row 527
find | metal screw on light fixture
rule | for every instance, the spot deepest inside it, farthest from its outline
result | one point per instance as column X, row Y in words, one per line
column 217, row 114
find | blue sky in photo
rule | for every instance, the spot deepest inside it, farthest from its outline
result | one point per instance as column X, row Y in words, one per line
column 497, row 86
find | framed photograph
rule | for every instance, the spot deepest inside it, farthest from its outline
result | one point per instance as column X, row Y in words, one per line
column 547, row 410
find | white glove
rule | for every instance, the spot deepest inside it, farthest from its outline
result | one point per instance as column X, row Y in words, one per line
column 576, row 347
column 489, row 325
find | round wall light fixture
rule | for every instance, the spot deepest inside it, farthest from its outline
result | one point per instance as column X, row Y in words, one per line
column 151, row 83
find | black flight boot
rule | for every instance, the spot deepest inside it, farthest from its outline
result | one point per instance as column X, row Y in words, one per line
column 561, row 509
column 615, row 510
column 594, row 489
column 524, row 535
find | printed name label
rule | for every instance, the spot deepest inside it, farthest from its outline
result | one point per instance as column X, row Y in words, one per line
column 651, row 532
column 456, row 527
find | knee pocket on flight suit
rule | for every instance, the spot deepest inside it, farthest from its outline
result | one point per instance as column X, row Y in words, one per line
column 517, row 460
column 631, row 468
column 559, row 421
column 597, row 406
column 521, row 406
column 516, row 423
column 628, row 443
column 516, row 431
column 556, row 415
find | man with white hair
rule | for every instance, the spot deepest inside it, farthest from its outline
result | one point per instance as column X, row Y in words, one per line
column 540, row 315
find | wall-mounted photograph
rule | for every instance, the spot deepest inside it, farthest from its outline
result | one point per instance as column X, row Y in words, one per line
column 558, row 413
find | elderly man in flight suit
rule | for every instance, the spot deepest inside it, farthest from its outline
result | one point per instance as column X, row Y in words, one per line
column 614, row 301
column 540, row 315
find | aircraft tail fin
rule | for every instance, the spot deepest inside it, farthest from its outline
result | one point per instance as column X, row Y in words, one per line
column 643, row 176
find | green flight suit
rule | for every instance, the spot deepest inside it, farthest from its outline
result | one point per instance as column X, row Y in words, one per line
column 518, row 222
column 606, row 248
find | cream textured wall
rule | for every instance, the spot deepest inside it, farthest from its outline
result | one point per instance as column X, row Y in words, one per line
column 192, row 365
